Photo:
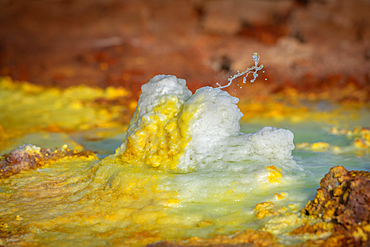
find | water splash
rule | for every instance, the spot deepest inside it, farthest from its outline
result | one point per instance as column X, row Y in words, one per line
column 254, row 69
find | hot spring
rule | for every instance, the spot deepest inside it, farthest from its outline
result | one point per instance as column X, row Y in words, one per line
column 185, row 168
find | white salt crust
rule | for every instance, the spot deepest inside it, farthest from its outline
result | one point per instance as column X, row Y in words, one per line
column 214, row 128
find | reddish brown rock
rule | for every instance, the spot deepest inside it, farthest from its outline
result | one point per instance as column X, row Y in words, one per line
column 103, row 43
column 343, row 197
column 343, row 202
column 30, row 157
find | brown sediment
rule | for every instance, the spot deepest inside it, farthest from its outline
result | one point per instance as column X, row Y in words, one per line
column 21, row 159
column 339, row 236
column 249, row 237
column 9, row 232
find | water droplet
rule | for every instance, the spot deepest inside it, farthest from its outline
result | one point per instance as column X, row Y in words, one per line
column 256, row 58
column 265, row 79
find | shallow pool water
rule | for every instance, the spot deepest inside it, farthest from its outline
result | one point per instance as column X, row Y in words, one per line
column 74, row 202
column 132, row 197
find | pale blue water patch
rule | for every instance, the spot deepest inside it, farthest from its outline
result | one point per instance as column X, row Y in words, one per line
column 303, row 132
column 320, row 162
column 104, row 145
column 317, row 164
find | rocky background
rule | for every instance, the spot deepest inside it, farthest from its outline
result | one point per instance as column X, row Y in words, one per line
column 306, row 44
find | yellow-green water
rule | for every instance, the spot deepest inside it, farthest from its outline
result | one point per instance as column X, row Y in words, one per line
column 108, row 202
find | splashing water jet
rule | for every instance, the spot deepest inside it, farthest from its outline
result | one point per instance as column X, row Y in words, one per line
column 254, row 69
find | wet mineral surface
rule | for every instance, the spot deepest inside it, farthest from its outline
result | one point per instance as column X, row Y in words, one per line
column 316, row 70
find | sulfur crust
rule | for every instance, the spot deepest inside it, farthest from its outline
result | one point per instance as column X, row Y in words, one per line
column 92, row 199
column 162, row 138
column 137, row 196
column 27, row 108
column 132, row 192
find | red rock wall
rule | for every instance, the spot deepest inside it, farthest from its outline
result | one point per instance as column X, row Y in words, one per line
column 126, row 42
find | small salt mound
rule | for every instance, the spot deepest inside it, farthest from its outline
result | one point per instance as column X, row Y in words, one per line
column 157, row 134
column 174, row 130
column 215, row 133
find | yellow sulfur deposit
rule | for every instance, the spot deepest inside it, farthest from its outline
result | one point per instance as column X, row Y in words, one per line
column 183, row 171
column 181, row 152
column 274, row 175
column 162, row 137
column 27, row 108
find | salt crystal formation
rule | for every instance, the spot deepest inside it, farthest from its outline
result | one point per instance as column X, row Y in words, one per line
column 177, row 131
